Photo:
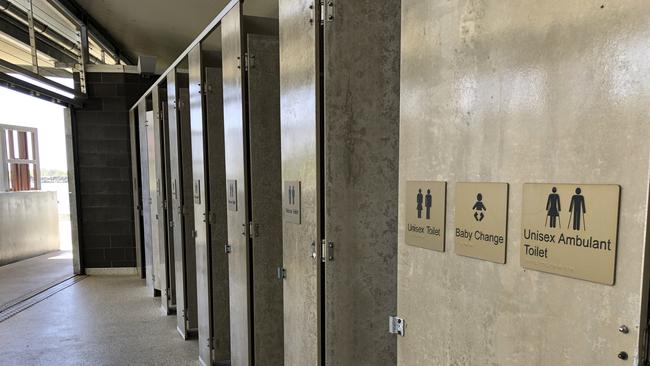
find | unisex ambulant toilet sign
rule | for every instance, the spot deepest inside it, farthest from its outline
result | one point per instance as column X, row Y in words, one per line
column 425, row 214
column 481, row 220
column 571, row 230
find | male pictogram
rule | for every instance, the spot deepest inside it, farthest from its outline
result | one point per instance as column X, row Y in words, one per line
column 427, row 203
column 292, row 195
column 578, row 210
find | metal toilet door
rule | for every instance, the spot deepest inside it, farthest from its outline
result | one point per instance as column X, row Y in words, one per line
column 300, row 165
column 220, row 300
column 236, row 189
column 266, row 197
column 146, row 195
column 201, row 196
column 161, row 221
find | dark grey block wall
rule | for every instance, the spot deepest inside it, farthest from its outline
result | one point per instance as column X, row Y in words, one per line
column 104, row 161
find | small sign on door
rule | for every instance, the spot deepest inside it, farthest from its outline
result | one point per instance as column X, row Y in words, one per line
column 291, row 201
column 232, row 194
column 197, row 191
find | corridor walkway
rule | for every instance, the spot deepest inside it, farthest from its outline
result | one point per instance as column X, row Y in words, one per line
column 23, row 278
column 97, row 321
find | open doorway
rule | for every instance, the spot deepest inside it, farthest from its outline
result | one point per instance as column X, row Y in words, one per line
column 36, row 219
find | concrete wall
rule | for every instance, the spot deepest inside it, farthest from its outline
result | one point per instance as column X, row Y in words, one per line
column 104, row 154
column 523, row 92
column 29, row 225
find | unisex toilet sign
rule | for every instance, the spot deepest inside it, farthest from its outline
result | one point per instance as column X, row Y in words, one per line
column 571, row 230
column 232, row 194
column 291, row 201
column 425, row 214
column 481, row 219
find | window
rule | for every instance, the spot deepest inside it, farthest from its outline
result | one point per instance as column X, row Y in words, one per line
column 20, row 163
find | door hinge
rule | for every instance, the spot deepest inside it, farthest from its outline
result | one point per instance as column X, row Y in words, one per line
column 227, row 248
column 212, row 217
column 253, row 230
column 396, row 325
column 326, row 11
column 282, row 273
column 171, row 223
column 327, row 250
column 194, row 233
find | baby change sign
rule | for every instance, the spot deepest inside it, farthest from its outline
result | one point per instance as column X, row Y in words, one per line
column 425, row 214
column 481, row 220
column 571, row 230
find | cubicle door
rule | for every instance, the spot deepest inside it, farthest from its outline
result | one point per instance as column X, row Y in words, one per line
column 220, row 325
column 191, row 313
column 266, row 197
column 153, row 198
column 361, row 138
column 169, row 233
column 236, row 189
column 146, row 196
column 298, row 78
column 161, row 222
column 176, row 203
column 518, row 108
column 200, row 189
column 137, row 192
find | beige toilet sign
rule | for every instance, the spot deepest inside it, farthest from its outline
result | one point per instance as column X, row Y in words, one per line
column 291, row 201
column 425, row 214
column 571, row 230
column 481, row 219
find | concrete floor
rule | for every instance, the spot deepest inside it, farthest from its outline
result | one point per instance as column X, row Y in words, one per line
column 97, row 321
column 24, row 277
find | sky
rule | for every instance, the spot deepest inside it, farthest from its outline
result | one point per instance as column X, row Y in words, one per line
column 19, row 109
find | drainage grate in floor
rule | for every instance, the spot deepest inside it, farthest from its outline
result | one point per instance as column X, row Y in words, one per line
column 27, row 301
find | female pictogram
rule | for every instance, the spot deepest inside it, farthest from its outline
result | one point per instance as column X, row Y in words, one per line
column 553, row 209
column 419, row 199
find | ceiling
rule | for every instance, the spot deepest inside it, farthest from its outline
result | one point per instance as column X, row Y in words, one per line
column 162, row 28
